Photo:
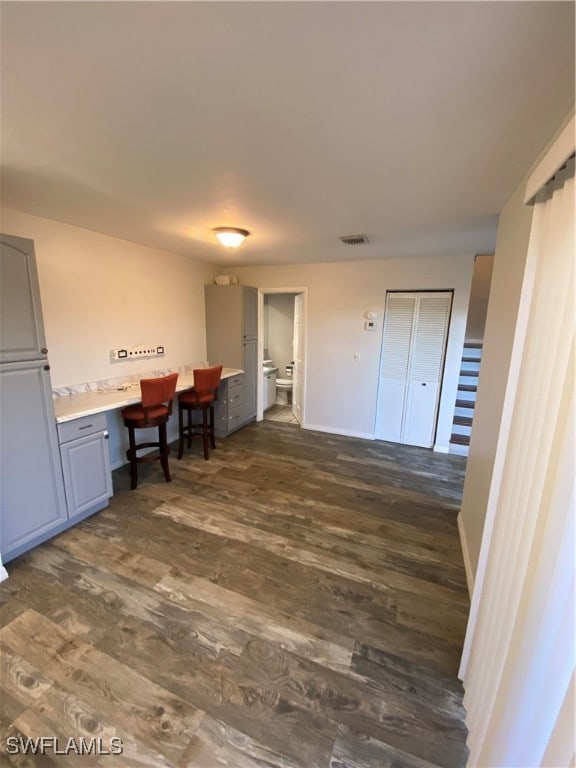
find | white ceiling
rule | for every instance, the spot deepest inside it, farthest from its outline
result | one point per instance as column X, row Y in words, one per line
column 301, row 121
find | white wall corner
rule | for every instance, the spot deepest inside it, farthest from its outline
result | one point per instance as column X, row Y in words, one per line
column 466, row 556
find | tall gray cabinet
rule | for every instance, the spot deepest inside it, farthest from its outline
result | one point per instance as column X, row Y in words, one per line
column 39, row 495
column 32, row 498
column 232, row 340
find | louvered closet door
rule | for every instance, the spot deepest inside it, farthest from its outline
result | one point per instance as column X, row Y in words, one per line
column 395, row 365
column 414, row 341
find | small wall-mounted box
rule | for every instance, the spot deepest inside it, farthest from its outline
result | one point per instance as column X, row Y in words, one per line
column 369, row 325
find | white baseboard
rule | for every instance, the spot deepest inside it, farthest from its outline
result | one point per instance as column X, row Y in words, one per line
column 466, row 556
column 332, row 431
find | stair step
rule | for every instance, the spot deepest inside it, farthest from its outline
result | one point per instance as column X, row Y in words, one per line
column 471, row 360
column 465, row 372
column 468, row 387
column 458, row 450
column 465, row 404
column 473, row 345
column 460, row 439
column 465, row 421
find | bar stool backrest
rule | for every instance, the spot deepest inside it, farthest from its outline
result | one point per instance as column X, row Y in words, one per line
column 159, row 391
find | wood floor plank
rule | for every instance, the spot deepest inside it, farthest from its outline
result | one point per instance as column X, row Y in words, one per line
column 393, row 717
column 331, row 517
column 87, row 549
column 217, row 744
column 297, row 601
column 333, row 561
column 359, row 751
column 301, row 637
column 390, row 673
column 378, row 550
column 189, row 629
column 64, row 716
column 215, row 687
column 95, row 682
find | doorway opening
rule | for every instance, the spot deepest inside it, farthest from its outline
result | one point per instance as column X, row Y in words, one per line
column 281, row 344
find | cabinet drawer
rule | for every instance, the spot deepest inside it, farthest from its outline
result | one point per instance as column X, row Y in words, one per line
column 235, row 397
column 235, row 381
column 86, row 425
column 235, row 416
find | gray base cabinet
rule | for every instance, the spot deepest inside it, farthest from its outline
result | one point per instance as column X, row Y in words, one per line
column 86, row 464
column 229, row 410
column 32, row 503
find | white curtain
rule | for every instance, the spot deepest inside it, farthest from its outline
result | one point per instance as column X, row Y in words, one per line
column 519, row 655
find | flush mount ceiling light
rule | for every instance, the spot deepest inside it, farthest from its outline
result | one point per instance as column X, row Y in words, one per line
column 231, row 237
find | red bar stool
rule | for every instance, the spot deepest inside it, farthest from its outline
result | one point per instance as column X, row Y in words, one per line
column 201, row 398
column 153, row 411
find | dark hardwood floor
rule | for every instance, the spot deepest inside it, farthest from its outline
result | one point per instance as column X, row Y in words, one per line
column 298, row 600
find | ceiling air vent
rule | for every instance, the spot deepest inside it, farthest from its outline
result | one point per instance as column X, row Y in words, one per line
column 354, row 239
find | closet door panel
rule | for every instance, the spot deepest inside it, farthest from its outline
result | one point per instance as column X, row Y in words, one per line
column 420, row 414
column 429, row 338
column 394, row 366
column 391, row 411
column 426, row 364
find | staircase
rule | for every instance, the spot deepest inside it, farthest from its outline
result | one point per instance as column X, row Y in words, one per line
column 466, row 398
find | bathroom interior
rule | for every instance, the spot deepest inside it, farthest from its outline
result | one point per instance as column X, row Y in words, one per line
column 279, row 357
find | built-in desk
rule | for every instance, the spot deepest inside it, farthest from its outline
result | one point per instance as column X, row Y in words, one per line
column 68, row 407
column 110, row 402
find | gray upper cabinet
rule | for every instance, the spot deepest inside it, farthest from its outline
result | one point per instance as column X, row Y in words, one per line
column 231, row 318
column 249, row 313
column 21, row 326
column 232, row 335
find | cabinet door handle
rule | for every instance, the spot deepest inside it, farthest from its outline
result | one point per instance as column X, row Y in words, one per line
column 106, row 436
column 44, row 351
column 86, row 426
column 46, row 367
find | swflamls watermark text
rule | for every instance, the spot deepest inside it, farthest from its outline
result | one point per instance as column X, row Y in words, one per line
column 43, row 745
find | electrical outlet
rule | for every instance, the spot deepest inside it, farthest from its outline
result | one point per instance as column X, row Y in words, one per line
column 133, row 353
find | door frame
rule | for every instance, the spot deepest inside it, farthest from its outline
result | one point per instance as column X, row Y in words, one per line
column 260, row 388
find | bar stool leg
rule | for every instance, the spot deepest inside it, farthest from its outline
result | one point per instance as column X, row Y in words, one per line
column 205, row 433
column 164, row 451
column 212, row 435
column 131, row 453
column 180, row 431
column 190, row 434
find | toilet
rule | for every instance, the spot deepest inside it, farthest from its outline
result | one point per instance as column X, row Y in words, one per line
column 284, row 388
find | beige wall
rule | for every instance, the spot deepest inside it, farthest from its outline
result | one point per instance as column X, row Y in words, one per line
column 341, row 393
column 99, row 293
column 506, row 286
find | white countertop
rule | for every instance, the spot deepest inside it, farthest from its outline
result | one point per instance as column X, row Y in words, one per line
column 68, row 407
